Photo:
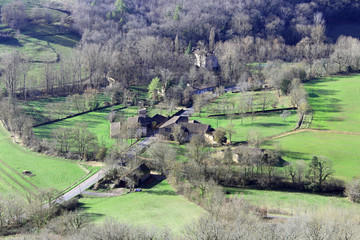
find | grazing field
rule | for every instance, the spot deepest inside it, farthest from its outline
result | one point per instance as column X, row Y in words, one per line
column 291, row 202
column 266, row 124
column 335, row 103
column 159, row 205
column 96, row 122
column 41, row 109
column 342, row 149
column 229, row 102
column 48, row 172
column 42, row 44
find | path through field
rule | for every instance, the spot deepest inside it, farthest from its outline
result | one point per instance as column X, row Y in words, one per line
column 13, row 179
column 310, row 130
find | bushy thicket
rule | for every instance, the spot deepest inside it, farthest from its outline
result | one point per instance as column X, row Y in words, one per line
column 353, row 190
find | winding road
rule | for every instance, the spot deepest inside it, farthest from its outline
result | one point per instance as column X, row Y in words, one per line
column 100, row 174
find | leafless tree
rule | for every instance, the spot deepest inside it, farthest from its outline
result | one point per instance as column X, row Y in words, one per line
column 177, row 133
column 14, row 14
column 353, row 190
column 10, row 63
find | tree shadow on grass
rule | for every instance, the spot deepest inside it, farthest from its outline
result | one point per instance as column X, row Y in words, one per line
column 54, row 34
column 282, row 163
column 294, row 155
column 11, row 42
column 94, row 216
column 239, row 191
column 153, row 181
column 270, row 124
column 162, row 193
column 90, row 216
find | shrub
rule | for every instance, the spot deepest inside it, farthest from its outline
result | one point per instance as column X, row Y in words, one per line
column 352, row 190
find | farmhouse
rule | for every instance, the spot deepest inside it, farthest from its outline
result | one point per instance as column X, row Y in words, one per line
column 201, row 89
column 137, row 176
column 189, row 128
column 204, row 59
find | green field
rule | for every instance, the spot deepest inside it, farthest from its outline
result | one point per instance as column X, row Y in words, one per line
column 40, row 42
column 159, row 205
column 342, row 149
column 48, row 172
column 291, row 202
column 96, row 122
column 267, row 124
column 336, row 111
column 40, row 112
column 335, row 103
column 229, row 102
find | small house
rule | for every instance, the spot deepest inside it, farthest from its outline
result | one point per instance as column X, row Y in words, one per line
column 138, row 176
column 190, row 128
column 204, row 59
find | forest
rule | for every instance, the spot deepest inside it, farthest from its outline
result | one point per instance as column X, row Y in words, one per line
column 267, row 77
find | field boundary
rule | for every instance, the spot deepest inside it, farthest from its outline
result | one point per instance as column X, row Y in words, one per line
column 6, row 182
column 284, row 134
column 76, row 115
column 255, row 112
column 22, row 186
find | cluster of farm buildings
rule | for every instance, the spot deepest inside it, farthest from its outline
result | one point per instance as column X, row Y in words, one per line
column 163, row 126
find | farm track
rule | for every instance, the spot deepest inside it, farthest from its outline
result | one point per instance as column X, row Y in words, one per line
column 310, row 130
column 6, row 182
column 22, row 186
column 22, row 177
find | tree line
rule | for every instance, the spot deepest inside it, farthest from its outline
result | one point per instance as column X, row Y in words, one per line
column 135, row 42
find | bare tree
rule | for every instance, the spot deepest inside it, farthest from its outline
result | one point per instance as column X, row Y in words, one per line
column 177, row 133
column 353, row 190
column 11, row 71
column 24, row 70
column 255, row 138
column 163, row 155
column 197, row 150
column 212, row 39
column 84, row 140
column 285, row 114
column 132, row 129
column 320, row 169
column 14, row 14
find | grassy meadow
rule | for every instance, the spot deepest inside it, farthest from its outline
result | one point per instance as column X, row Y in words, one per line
column 41, row 42
column 40, row 109
column 267, row 124
column 159, row 205
column 96, row 122
column 335, row 103
column 342, row 149
column 48, row 172
column 229, row 102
